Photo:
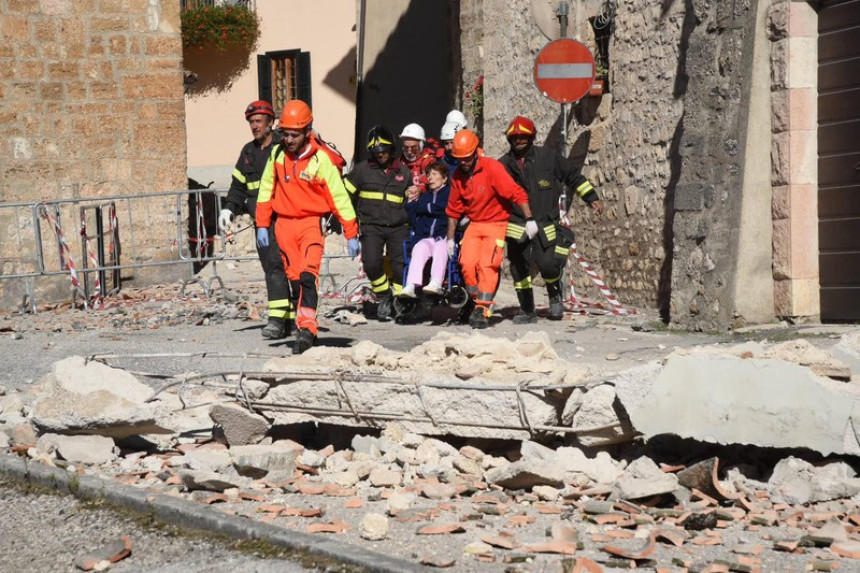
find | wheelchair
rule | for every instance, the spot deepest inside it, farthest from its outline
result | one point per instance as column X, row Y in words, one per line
column 453, row 295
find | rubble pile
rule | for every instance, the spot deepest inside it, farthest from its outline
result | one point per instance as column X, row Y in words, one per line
column 148, row 307
column 492, row 501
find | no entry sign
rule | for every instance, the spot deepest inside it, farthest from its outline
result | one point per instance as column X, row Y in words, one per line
column 564, row 70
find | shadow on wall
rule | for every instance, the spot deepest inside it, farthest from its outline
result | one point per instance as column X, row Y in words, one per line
column 216, row 70
column 341, row 78
column 410, row 79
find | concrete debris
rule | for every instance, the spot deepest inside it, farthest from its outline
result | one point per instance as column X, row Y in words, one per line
column 78, row 375
column 256, row 461
column 765, row 402
column 601, row 420
column 798, row 482
column 448, row 380
column 847, row 350
column 91, row 450
column 212, row 481
column 373, row 527
column 240, row 426
column 525, row 474
column 643, row 479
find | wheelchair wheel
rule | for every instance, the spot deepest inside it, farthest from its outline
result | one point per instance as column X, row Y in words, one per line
column 405, row 306
column 457, row 297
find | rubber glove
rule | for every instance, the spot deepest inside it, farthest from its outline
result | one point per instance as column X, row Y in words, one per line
column 451, row 245
column 225, row 218
column 531, row 229
column 354, row 247
column 262, row 237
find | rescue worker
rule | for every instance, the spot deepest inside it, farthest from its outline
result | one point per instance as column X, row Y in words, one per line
column 446, row 136
column 416, row 157
column 483, row 191
column 242, row 198
column 542, row 172
column 300, row 185
column 378, row 187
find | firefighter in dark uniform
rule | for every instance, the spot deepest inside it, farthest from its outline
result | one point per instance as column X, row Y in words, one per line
column 379, row 188
column 542, row 172
column 242, row 198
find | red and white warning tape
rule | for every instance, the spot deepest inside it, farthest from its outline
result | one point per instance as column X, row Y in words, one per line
column 97, row 283
column 580, row 306
column 67, row 260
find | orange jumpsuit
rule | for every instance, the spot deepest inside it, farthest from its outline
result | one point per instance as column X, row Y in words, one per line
column 484, row 196
column 301, row 189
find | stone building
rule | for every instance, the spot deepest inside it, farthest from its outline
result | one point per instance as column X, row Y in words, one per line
column 730, row 198
column 91, row 105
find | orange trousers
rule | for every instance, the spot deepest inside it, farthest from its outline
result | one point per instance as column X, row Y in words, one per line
column 481, row 252
column 301, row 244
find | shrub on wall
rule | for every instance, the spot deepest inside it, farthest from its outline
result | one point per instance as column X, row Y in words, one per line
column 220, row 26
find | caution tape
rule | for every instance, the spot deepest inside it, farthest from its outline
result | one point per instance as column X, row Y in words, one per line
column 96, row 298
column 67, row 260
column 572, row 304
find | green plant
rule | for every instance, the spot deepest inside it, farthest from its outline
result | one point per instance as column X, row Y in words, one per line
column 475, row 99
column 222, row 26
column 600, row 69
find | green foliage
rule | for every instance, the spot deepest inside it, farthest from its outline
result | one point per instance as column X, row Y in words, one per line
column 475, row 99
column 220, row 26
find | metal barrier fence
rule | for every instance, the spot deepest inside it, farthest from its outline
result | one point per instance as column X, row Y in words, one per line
column 118, row 233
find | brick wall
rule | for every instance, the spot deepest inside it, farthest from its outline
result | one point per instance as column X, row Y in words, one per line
column 91, row 105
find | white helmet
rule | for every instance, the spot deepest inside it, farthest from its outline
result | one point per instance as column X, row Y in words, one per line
column 456, row 116
column 413, row 131
column 448, row 131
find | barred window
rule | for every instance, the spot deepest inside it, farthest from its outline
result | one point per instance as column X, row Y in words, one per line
column 283, row 76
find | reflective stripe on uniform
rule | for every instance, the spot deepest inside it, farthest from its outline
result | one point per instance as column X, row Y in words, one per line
column 550, row 232
column 524, row 284
column 584, row 188
column 280, row 303
column 379, row 196
column 515, row 231
column 500, row 243
column 551, row 281
column 380, row 284
column 238, row 176
column 252, row 185
column 565, row 251
column 278, row 313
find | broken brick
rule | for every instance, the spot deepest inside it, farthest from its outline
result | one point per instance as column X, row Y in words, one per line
column 111, row 552
column 441, row 529
column 636, row 554
column 558, row 547
column 500, row 541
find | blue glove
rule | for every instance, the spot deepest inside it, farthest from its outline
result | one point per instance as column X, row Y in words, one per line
column 262, row 237
column 354, row 247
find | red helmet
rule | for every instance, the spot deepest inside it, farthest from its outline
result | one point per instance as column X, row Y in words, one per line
column 521, row 126
column 465, row 144
column 296, row 115
column 259, row 107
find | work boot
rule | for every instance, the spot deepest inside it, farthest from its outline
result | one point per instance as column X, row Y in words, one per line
column 275, row 329
column 527, row 306
column 385, row 308
column 478, row 319
column 304, row 340
column 556, row 307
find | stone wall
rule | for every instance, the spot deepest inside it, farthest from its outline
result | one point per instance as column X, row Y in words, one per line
column 662, row 147
column 91, row 105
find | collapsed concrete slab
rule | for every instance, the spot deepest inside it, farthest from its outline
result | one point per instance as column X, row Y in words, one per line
column 732, row 400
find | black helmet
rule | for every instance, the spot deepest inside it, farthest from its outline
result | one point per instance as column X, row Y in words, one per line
column 380, row 139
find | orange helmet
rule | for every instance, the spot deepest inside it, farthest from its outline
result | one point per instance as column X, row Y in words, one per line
column 296, row 115
column 521, row 126
column 465, row 144
column 259, row 107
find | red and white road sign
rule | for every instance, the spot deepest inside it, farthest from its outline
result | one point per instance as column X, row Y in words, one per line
column 564, row 70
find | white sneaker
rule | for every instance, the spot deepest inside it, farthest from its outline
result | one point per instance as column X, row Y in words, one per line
column 433, row 288
column 408, row 291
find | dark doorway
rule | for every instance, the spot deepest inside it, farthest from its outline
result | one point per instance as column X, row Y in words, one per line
column 410, row 81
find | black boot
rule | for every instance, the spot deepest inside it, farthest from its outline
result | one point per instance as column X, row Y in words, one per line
column 478, row 319
column 275, row 329
column 556, row 307
column 304, row 340
column 385, row 308
column 527, row 306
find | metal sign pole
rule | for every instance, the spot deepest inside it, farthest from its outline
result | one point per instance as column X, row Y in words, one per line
column 562, row 12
